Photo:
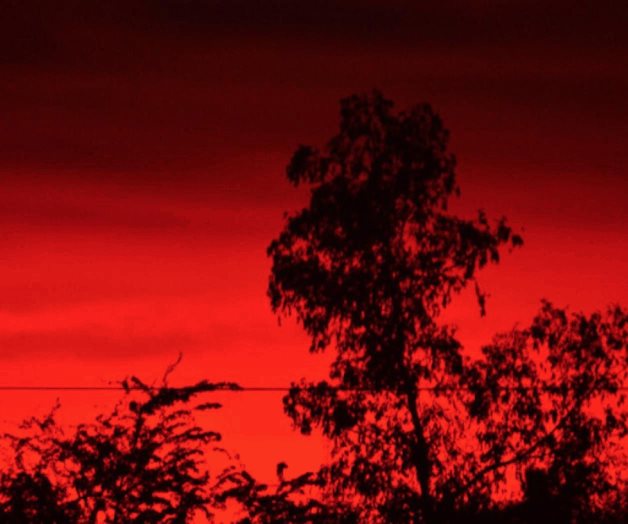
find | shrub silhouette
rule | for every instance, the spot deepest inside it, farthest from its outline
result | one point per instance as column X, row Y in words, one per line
column 144, row 462
column 292, row 500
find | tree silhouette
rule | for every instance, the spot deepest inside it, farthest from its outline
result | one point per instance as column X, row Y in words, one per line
column 147, row 461
column 550, row 403
column 367, row 268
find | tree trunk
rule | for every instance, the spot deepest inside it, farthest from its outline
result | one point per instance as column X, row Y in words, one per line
column 420, row 455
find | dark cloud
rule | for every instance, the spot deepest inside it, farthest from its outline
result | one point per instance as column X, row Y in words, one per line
column 165, row 88
column 40, row 31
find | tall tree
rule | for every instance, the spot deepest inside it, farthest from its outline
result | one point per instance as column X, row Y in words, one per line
column 367, row 268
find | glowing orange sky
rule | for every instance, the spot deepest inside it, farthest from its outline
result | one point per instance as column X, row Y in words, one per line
column 141, row 168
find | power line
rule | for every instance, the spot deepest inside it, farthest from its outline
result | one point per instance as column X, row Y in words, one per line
column 270, row 389
column 137, row 388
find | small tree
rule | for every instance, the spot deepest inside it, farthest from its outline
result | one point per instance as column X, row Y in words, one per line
column 147, row 461
column 367, row 268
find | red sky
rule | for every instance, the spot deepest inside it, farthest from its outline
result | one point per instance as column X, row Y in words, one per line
column 142, row 149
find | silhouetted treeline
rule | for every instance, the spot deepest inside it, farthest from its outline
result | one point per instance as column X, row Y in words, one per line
column 533, row 429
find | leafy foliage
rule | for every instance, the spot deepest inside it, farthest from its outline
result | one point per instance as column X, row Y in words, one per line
column 552, row 410
column 367, row 268
column 144, row 462
column 420, row 432
column 292, row 500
